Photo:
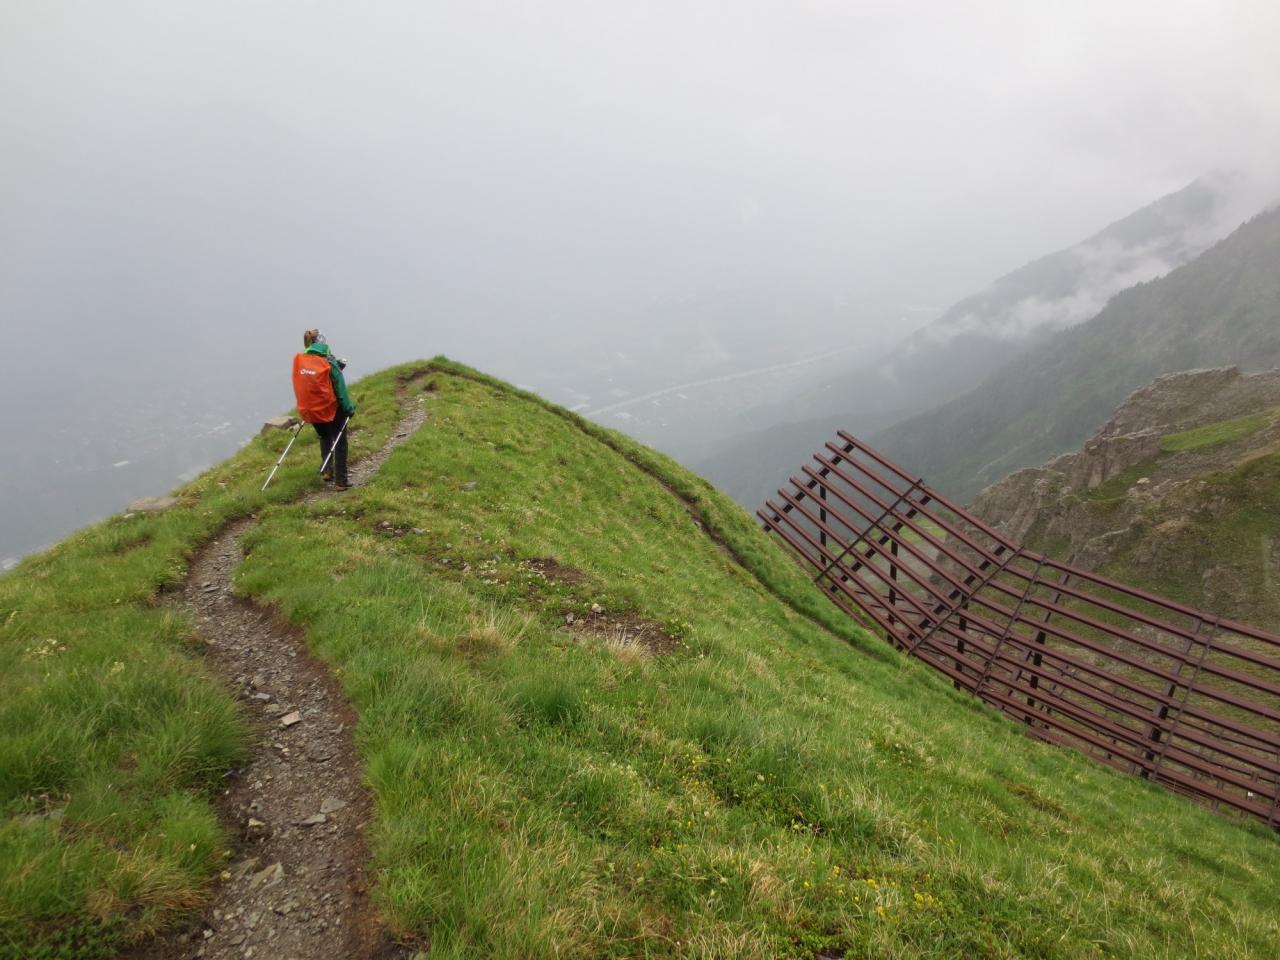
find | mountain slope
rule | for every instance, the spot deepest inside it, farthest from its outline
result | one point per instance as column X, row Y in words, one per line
column 981, row 333
column 1223, row 308
column 1178, row 493
column 708, row 761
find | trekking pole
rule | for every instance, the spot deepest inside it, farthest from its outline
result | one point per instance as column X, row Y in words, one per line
column 334, row 446
column 296, row 431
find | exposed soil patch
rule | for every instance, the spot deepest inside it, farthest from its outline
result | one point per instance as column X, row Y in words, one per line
column 623, row 632
column 553, row 569
column 395, row 531
column 296, row 884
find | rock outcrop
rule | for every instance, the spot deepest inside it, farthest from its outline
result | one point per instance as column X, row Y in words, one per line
column 279, row 423
column 1163, row 474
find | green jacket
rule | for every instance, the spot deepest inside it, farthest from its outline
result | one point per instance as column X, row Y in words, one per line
column 345, row 404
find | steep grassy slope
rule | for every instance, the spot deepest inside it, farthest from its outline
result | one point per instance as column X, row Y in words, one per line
column 1222, row 308
column 712, row 764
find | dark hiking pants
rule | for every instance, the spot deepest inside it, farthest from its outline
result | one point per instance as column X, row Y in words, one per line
column 328, row 433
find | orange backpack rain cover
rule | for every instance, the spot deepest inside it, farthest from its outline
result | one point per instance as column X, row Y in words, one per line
column 317, row 402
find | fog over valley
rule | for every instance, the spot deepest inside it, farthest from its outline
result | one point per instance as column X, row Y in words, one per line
column 690, row 222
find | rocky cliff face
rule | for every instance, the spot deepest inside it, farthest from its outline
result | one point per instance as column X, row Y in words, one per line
column 1179, row 490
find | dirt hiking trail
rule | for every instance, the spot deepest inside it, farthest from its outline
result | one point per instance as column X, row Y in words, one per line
column 295, row 887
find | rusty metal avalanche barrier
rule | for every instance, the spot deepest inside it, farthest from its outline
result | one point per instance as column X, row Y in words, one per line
column 1172, row 694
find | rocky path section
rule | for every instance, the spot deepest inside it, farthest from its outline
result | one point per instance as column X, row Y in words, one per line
column 296, row 886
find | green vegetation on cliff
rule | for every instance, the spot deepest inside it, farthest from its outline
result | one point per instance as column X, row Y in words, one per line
column 1215, row 434
column 1217, row 548
column 712, row 763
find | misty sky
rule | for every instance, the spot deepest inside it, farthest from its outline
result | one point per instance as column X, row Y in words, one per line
column 184, row 187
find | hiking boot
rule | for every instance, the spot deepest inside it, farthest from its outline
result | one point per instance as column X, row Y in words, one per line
column 342, row 485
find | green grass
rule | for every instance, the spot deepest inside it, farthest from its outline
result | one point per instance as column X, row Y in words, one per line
column 928, row 526
column 780, row 784
column 1216, row 434
column 1114, row 490
column 113, row 736
column 768, row 789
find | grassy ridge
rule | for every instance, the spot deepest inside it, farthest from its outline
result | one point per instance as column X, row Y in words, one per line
column 765, row 789
column 112, row 735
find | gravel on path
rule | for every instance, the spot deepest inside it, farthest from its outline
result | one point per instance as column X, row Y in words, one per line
column 296, row 885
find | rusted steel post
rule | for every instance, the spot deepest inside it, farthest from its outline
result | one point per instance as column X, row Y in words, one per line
column 1037, row 658
column 875, row 525
column 893, row 576
column 1008, row 629
column 1186, row 695
column 968, row 597
column 960, row 646
column 1161, row 711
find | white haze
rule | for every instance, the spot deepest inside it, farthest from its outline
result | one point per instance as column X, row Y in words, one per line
column 598, row 200
column 1104, row 265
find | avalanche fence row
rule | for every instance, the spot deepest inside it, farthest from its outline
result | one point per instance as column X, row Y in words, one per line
column 1178, row 696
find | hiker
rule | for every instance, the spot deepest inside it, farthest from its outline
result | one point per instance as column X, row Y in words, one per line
column 324, row 403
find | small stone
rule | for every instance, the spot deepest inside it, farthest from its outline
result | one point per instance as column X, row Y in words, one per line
column 319, row 754
column 264, row 697
column 244, row 868
column 278, row 423
column 314, row 820
column 470, row 486
column 569, row 618
column 208, row 934
column 419, row 531
column 255, row 829
column 270, row 876
column 290, row 719
column 596, row 608
column 331, row 804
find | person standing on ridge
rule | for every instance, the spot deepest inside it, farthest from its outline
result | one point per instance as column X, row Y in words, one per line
column 323, row 402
